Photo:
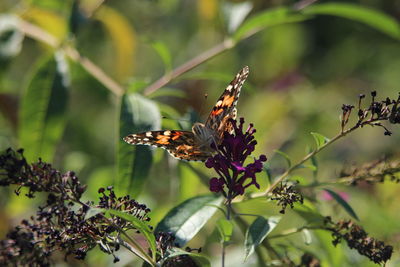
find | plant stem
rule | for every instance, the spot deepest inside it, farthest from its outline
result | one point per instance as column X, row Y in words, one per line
column 192, row 63
column 228, row 217
column 41, row 35
column 307, row 157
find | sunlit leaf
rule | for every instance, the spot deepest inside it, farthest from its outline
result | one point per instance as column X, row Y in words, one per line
column 186, row 219
column 368, row 16
column 266, row 19
column 235, row 13
column 225, row 228
column 257, row 232
column 306, row 236
column 342, row 203
column 138, row 114
column 42, row 113
column 10, row 36
column 123, row 37
column 319, row 139
column 48, row 20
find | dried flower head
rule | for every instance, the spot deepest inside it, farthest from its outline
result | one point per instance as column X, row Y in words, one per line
column 286, row 195
column 63, row 222
column 358, row 239
column 374, row 113
column 229, row 162
column 377, row 171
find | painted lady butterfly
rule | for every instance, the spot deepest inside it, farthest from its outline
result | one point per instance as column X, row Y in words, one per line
column 195, row 145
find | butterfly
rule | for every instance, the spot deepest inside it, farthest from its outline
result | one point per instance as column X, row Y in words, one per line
column 196, row 145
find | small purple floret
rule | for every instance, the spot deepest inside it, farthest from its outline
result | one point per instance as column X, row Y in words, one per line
column 229, row 162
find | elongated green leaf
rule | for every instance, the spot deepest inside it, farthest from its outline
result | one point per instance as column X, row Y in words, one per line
column 370, row 17
column 342, row 203
column 200, row 260
column 186, row 219
column 139, row 225
column 138, row 114
column 285, row 156
column 225, row 229
column 266, row 19
column 257, row 232
column 123, row 38
column 42, row 114
column 165, row 55
column 320, row 140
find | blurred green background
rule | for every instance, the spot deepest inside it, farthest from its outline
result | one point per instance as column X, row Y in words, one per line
column 59, row 106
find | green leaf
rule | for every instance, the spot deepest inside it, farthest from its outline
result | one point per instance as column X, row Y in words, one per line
column 139, row 225
column 342, row 203
column 370, row 17
column 285, row 156
column 225, row 228
column 43, row 107
column 200, row 260
column 186, row 219
column 163, row 51
column 138, row 114
column 319, row 139
column 257, row 232
column 266, row 19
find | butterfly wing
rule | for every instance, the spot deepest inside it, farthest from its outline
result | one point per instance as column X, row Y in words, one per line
column 225, row 108
column 180, row 144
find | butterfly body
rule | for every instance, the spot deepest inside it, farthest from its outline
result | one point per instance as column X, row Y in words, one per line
column 196, row 145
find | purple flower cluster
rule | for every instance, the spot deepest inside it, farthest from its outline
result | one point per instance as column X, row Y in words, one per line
column 229, row 162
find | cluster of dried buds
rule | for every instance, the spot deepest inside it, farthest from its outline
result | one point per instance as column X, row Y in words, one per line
column 64, row 222
column 356, row 238
column 286, row 195
column 377, row 111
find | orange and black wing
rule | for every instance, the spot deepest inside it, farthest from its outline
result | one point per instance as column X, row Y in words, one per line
column 180, row 144
column 225, row 108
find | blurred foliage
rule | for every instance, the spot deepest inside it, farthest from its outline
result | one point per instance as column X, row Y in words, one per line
column 64, row 66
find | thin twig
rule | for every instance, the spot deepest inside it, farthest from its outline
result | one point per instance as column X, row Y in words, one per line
column 41, row 35
column 185, row 67
column 307, row 157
